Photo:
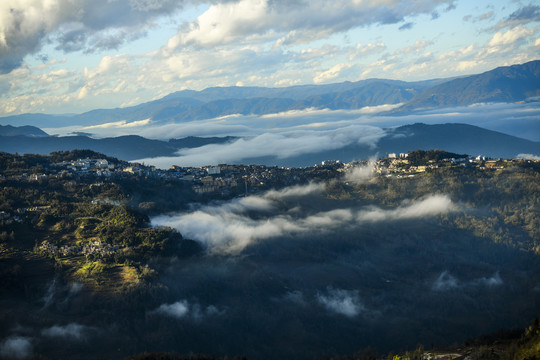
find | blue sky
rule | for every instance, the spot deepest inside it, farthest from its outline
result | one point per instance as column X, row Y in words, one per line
column 64, row 56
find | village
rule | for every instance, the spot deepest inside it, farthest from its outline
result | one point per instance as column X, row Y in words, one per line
column 224, row 178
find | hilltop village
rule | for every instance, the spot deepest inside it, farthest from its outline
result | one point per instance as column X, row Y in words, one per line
column 226, row 180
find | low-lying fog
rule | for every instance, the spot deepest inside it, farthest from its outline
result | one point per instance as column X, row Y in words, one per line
column 295, row 274
column 303, row 132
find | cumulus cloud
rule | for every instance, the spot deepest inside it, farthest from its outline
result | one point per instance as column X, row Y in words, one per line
column 510, row 36
column 72, row 330
column 292, row 22
column 16, row 347
column 25, row 26
column 343, row 302
column 183, row 309
column 331, row 73
column 229, row 227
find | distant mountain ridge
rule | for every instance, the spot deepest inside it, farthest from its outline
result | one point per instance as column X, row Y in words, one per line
column 188, row 105
column 31, row 131
column 504, row 84
column 458, row 138
column 129, row 147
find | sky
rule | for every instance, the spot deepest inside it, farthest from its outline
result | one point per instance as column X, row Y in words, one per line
column 71, row 56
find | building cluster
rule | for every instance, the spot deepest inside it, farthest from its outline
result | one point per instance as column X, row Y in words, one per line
column 93, row 248
column 7, row 218
column 399, row 164
column 227, row 179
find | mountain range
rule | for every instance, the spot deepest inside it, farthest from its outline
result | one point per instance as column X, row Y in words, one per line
column 504, row 84
column 459, row 138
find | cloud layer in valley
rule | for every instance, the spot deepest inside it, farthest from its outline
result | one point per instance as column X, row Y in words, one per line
column 230, row 227
column 183, row 309
column 281, row 145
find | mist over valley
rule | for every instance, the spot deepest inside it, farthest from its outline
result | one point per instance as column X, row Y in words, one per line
column 256, row 179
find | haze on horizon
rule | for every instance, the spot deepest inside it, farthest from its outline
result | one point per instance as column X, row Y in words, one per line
column 62, row 56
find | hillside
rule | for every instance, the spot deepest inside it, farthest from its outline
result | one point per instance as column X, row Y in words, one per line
column 459, row 138
column 187, row 105
column 31, row 131
column 333, row 264
column 503, row 84
column 123, row 147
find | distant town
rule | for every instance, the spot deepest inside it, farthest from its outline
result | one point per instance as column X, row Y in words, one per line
column 221, row 181
column 223, row 178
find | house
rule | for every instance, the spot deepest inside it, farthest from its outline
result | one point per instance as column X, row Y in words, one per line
column 213, row 170
column 102, row 164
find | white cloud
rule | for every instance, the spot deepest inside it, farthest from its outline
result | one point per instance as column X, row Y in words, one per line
column 119, row 125
column 432, row 205
column 330, row 74
column 509, row 37
column 528, row 157
column 291, row 22
column 343, row 302
column 466, row 65
column 183, row 309
column 295, row 191
column 360, row 174
column 229, row 227
column 72, row 25
column 223, row 23
column 178, row 309
column 281, row 145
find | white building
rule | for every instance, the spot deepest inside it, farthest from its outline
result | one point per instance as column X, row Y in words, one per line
column 213, row 170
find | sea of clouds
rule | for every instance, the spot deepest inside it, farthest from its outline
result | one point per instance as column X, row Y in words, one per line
column 300, row 132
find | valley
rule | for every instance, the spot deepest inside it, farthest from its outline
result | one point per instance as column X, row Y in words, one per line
column 387, row 254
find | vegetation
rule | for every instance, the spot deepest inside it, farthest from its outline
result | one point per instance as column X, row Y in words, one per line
column 421, row 157
column 67, row 230
column 502, row 204
column 105, row 244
